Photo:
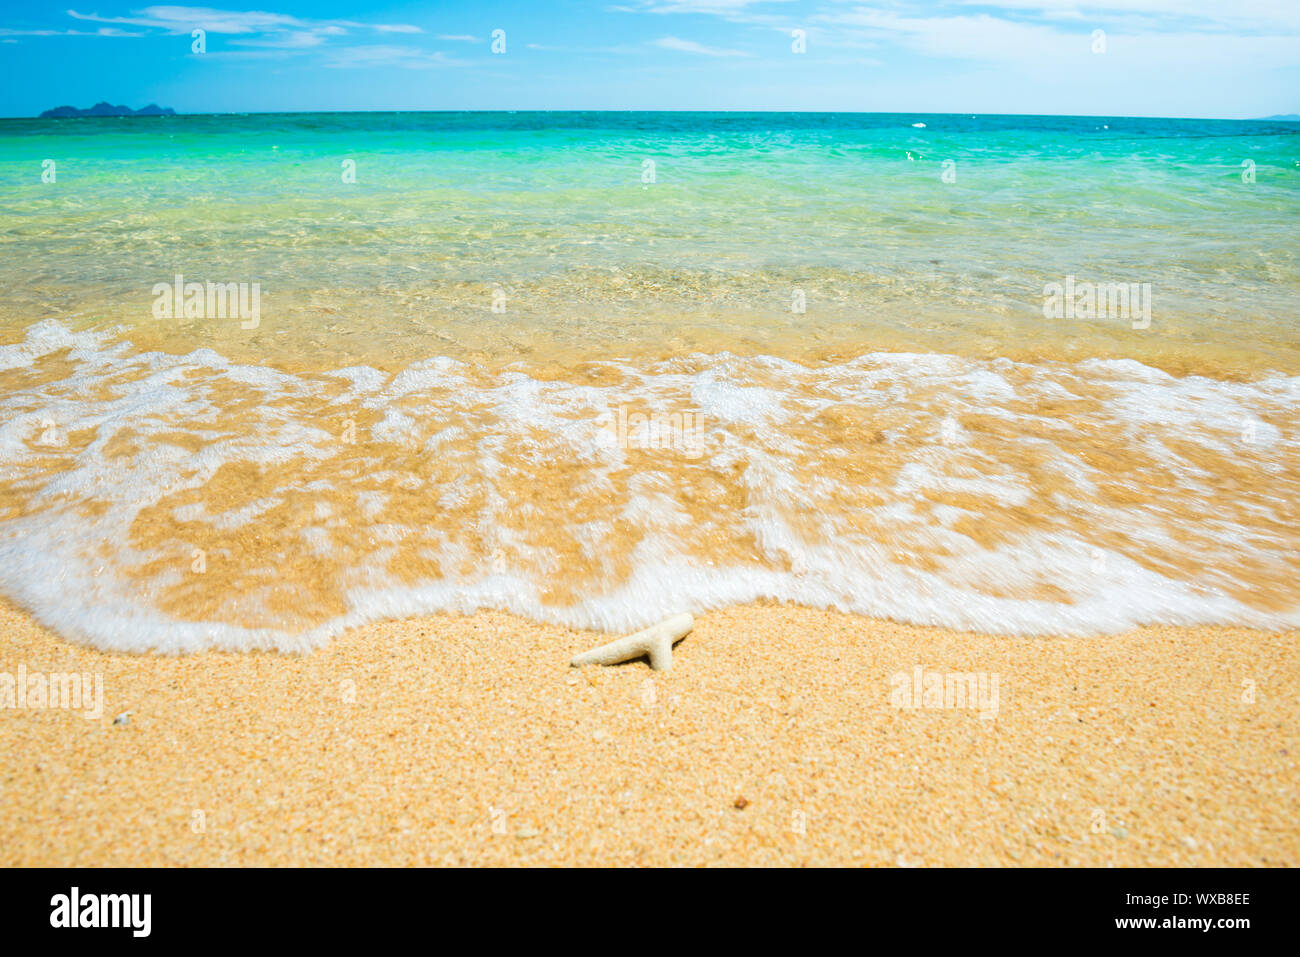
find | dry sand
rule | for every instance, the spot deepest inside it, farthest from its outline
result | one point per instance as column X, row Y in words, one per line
column 772, row 741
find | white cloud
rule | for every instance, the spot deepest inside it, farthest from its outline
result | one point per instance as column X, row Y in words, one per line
column 379, row 55
column 1158, row 16
column 101, row 32
column 179, row 20
column 983, row 37
column 690, row 46
column 274, row 33
column 715, row 7
column 1239, row 15
column 295, row 40
column 185, row 19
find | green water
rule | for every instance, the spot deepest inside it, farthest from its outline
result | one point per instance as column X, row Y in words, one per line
column 740, row 208
column 601, row 368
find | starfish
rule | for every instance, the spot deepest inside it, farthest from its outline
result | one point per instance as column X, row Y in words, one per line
column 656, row 641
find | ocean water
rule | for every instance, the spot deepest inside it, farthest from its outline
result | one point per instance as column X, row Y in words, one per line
column 599, row 368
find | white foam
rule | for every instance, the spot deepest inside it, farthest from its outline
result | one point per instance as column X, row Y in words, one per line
column 71, row 566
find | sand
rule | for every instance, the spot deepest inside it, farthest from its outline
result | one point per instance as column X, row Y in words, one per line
column 773, row 741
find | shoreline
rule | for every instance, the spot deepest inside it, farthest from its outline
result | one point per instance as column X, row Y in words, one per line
column 773, row 741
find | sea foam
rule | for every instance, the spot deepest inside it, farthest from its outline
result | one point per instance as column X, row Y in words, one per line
column 173, row 503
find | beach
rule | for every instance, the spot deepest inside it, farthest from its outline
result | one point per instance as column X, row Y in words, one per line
column 971, row 442
column 773, row 741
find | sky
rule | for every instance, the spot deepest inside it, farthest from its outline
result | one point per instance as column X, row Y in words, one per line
column 1202, row 58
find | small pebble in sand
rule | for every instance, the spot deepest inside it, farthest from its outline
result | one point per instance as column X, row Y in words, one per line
column 741, row 803
column 123, row 718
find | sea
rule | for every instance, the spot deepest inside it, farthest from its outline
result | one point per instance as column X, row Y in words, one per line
column 267, row 377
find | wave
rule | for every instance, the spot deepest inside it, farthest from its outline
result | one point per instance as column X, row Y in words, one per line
column 173, row 503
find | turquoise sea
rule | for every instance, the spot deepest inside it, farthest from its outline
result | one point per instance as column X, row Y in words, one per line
column 597, row 368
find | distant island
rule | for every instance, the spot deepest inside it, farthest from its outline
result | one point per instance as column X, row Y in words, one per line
column 1287, row 117
column 107, row 109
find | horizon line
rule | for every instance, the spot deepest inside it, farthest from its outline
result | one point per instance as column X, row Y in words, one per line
column 1277, row 117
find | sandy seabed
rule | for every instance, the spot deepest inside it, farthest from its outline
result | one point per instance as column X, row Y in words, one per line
column 776, row 739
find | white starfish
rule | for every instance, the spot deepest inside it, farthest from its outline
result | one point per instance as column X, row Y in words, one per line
column 656, row 641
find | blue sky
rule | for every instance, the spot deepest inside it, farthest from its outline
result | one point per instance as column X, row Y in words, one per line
column 1214, row 58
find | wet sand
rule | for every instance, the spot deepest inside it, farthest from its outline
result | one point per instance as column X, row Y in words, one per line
column 773, row 741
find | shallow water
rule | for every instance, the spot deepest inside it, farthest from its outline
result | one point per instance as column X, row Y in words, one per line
column 514, row 366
